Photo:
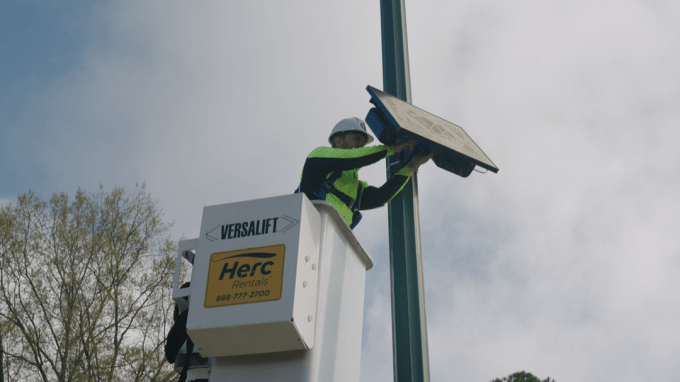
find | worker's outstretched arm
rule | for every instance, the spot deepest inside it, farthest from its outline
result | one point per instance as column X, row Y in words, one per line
column 330, row 159
column 373, row 197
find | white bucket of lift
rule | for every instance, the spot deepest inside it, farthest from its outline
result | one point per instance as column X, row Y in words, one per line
column 253, row 286
column 309, row 329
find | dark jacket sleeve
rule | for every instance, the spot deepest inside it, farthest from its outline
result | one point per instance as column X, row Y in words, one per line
column 372, row 197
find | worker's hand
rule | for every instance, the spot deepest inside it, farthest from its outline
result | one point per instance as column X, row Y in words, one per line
column 420, row 159
column 403, row 145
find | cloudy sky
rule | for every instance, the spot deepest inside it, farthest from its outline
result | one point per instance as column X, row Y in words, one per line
column 566, row 263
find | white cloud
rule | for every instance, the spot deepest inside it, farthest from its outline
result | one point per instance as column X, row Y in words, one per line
column 562, row 264
column 5, row 201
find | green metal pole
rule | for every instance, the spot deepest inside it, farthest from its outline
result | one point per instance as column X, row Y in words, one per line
column 409, row 325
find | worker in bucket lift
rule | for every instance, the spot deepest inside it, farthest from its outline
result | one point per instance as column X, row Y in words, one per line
column 331, row 173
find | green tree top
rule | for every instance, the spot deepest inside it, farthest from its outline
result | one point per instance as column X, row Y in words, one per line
column 522, row 376
column 84, row 287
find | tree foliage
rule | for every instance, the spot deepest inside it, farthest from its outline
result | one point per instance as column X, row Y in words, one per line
column 522, row 376
column 85, row 287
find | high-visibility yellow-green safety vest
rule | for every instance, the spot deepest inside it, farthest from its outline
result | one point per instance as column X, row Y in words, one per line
column 332, row 175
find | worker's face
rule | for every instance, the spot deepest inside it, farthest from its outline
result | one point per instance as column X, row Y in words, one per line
column 350, row 141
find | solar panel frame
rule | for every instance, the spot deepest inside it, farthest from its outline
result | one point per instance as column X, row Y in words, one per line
column 418, row 123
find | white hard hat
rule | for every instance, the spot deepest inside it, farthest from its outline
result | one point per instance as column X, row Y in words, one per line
column 350, row 125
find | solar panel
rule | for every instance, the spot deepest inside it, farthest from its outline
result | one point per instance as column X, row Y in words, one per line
column 393, row 119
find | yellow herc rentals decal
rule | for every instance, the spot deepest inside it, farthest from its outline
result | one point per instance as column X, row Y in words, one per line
column 245, row 275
